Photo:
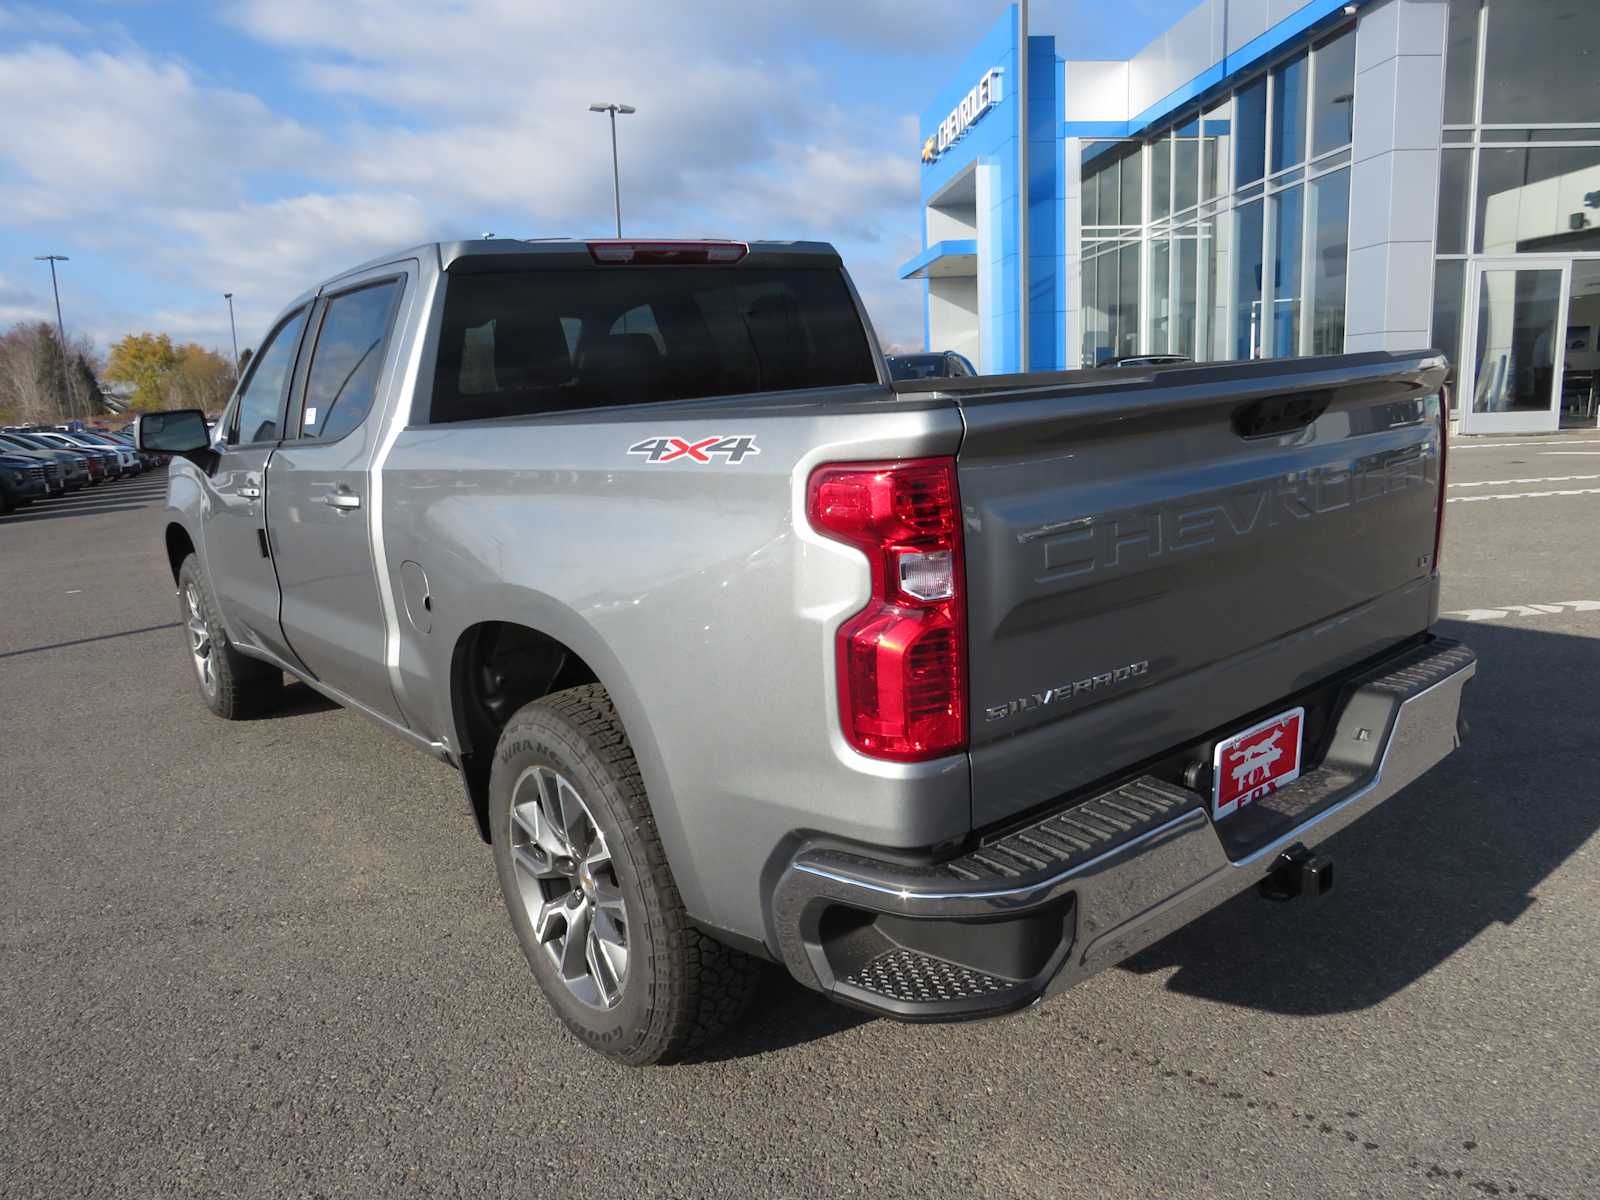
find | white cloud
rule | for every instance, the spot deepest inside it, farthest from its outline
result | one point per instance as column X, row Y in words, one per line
column 39, row 22
column 88, row 134
column 449, row 119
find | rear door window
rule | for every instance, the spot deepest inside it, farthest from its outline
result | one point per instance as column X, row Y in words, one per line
column 532, row 341
column 347, row 360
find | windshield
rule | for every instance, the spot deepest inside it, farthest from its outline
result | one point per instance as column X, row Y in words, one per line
column 531, row 341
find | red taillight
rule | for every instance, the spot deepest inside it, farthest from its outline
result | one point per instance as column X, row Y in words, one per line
column 667, row 253
column 1444, row 447
column 902, row 660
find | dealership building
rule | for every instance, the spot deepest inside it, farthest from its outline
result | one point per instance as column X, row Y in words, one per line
column 1271, row 178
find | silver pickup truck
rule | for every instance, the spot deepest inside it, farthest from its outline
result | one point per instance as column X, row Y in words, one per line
column 943, row 694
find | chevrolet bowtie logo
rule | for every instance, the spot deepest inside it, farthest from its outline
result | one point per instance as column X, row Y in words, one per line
column 929, row 150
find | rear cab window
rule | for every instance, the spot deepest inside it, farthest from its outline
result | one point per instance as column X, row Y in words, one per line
column 528, row 340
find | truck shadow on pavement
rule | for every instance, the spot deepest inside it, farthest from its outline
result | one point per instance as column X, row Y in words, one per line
column 1459, row 851
column 783, row 1014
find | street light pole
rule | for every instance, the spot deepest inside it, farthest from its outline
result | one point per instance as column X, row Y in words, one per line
column 61, row 331
column 233, row 329
column 616, row 176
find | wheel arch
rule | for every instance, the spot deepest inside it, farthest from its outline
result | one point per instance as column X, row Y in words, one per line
column 179, row 546
column 549, row 648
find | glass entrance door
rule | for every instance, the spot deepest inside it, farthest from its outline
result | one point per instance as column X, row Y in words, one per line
column 1511, row 382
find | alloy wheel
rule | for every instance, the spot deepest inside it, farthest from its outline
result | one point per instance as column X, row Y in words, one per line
column 569, row 886
column 201, row 647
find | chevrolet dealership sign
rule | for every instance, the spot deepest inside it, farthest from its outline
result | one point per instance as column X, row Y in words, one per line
column 973, row 105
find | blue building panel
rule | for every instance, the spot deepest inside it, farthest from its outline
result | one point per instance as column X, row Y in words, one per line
column 987, row 147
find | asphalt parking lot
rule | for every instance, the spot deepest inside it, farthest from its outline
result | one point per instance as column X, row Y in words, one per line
column 270, row 959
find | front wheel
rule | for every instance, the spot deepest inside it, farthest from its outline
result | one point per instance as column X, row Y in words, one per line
column 233, row 685
column 589, row 891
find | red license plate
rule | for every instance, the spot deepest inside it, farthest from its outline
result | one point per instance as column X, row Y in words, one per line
column 1256, row 763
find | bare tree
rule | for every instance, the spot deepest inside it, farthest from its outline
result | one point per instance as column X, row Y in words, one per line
column 34, row 387
column 30, row 373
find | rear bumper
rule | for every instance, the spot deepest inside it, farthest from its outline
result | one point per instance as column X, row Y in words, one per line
column 1044, row 907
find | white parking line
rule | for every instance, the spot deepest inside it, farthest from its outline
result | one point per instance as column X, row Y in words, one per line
column 1524, row 610
column 1570, row 453
column 1524, row 495
column 1511, row 482
column 1458, row 444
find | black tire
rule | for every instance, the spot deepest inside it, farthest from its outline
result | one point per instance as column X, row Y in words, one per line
column 239, row 687
column 680, row 987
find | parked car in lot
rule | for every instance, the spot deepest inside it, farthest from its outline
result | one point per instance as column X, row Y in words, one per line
column 128, row 459
column 117, row 463
column 98, row 463
column 101, row 437
column 942, row 364
column 73, row 466
column 945, row 694
column 22, row 481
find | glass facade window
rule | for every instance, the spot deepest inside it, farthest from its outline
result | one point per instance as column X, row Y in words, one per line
column 1161, row 179
column 1127, row 330
column 1242, row 252
column 1329, row 223
column 1333, row 94
column 1131, row 201
column 1109, row 187
column 1112, row 201
column 1289, row 113
column 1461, row 63
column 1185, row 295
column 1535, row 200
column 1247, row 314
column 1288, row 221
column 1160, row 292
column 1215, row 151
column 1449, row 280
column 1216, row 257
column 1250, row 132
column 1186, row 165
column 1455, row 200
column 1541, row 63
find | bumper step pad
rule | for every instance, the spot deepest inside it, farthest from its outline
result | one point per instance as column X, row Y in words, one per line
column 914, row 978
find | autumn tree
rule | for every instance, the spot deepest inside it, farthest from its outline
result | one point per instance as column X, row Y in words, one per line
column 200, row 378
column 147, row 361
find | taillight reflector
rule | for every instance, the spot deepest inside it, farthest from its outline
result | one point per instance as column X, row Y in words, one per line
column 902, row 660
column 667, row 253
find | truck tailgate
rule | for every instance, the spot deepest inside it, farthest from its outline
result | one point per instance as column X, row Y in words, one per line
column 1155, row 555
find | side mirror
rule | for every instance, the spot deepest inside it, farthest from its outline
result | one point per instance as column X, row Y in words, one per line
column 183, row 433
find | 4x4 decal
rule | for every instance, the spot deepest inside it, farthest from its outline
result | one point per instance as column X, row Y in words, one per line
column 701, row 450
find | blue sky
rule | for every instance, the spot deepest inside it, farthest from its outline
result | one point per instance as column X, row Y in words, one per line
column 176, row 151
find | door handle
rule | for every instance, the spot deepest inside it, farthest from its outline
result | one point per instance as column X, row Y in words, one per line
column 250, row 493
column 343, row 501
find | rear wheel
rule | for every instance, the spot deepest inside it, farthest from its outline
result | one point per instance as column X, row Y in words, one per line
column 589, row 891
column 233, row 685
